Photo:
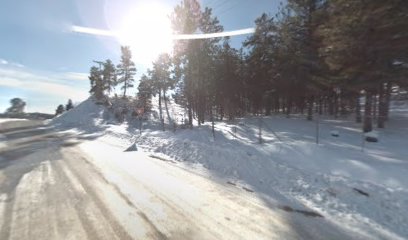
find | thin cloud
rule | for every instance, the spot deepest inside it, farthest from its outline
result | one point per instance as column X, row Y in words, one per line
column 75, row 76
column 13, row 64
column 19, row 65
column 53, row 84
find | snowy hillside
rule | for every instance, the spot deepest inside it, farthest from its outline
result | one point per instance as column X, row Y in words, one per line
column 362, row 188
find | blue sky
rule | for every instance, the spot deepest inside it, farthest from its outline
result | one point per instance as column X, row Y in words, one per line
column 45, row 63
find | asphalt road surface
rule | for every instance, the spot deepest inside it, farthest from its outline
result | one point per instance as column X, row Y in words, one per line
column 51, row 189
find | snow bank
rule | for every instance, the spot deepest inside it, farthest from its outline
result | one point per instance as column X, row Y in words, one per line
column 366, row 192
column 283, row 168
column 87, row 117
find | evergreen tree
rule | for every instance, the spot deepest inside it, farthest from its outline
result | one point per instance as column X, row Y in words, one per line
column 185, row 20
column 361, row 41
column 126, row 69
column 145, row 93
column 60, row 109
column 228, row 83
column 162, row 81
column 205, row 65
column 96, row 82
column 17, row 106
column 260, row 62
column 69, row 105
column 195, row 59
column 109, row 76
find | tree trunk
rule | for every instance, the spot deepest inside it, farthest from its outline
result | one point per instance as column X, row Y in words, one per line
column 190, row 114
column 330, row 105
column 310, row 109
column 358, row 109
column 160, row 110
column 343, row 110
column 124, row 89
column 166, row 107
column 368, row 123
column 375, row 105
column 381, row 107
column 301, row 104
column 212, row 123
column 268, row 105
column 336, row 105
column 277, row 104
column 387, row 100
column 320, row 106
column 288, row 107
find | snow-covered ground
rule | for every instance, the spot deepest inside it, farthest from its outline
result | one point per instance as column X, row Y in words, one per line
column 3, row 144
column 2, row 120
column 359, row 187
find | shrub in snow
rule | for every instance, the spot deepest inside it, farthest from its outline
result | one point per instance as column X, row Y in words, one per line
column 335, row 133
column 371, row 136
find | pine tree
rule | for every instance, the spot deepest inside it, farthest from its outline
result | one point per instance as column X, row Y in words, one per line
column 162, row 81
column 60, row 109
column 228, row 84
column 126, row 69
column 185, row 20
column 69, row 105
column 17, row 106
column 260, row 61
column 361, row 41
column 195, row 59
column 306, row 17
column 145, row 93
column 109, row 76
column 205, row 64
column 96, row 82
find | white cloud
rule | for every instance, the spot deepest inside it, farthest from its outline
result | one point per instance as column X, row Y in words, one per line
column 74, row 76
column 17, row 65
column 13, row 64
column 42, row 91
column 56, row 84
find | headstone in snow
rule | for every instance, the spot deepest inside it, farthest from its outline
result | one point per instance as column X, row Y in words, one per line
column 131, row 148
column 371, row 136
column 335, row 133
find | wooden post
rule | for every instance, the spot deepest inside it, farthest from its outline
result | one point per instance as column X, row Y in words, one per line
column 260, row 130
column 317, row 128
column 212, row 122
column 140, row 125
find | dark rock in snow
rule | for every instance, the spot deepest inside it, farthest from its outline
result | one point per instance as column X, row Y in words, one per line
column 335, row 133
column 131, row 148
column 371, row 136
column 361, row 192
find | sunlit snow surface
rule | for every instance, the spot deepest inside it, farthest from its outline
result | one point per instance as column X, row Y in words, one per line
column 288, row 168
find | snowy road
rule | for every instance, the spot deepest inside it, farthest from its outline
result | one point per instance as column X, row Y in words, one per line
column 51, row 188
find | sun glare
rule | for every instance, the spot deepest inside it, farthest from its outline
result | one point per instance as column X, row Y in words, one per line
column 147, row 30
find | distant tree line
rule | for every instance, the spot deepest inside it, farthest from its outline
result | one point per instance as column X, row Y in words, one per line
column 61, row 109
column 312, row 57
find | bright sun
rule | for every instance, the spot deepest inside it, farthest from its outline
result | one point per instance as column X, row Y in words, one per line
column 147, row 30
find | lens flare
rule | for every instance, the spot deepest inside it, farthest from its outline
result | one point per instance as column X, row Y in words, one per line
column 147, row 30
